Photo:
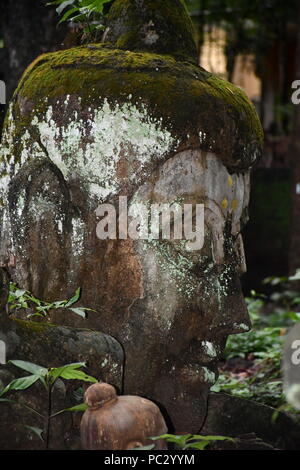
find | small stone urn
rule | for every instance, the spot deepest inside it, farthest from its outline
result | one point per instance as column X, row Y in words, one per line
column 114, row 422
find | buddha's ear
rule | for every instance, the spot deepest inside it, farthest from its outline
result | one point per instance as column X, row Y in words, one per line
column 40, row 213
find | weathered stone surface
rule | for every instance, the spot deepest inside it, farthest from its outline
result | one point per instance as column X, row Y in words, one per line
column 90, row 124
column 233, row 417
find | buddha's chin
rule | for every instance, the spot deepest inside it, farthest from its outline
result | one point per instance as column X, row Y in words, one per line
column 184, row 396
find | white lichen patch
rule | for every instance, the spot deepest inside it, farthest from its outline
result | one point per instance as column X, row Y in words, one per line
column 104, row 362
column 92, row 148
column 59, row 223
column 176, row 266
column 21, row 203
column 209, row 349
column 78, row 231
column 241, row 326
column 40, row 205
column 209, row 375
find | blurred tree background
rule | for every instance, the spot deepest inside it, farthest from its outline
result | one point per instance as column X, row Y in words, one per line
column 253, row 44
column 261, row 52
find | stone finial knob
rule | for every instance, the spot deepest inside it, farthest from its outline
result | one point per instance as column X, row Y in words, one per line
column 99, row 394
column 119, row 423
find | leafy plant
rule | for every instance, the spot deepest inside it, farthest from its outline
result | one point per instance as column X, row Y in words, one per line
column 88, row 14
column 260, row 350
column 192, row 441
column 21, row 299
column 48, row 378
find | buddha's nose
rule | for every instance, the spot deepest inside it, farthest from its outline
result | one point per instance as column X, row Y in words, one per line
column 238, row 316
column 225, row 307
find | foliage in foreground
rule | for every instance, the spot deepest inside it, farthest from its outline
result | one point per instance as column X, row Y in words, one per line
column 187, row 441
column 258, row 374
column 87, row 14
column 48, row 378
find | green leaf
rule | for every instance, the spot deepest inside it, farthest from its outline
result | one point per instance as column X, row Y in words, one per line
column 63, row 5
column 30, row 367
column 201, row 442
column 197, row 445
column 74, row 299
column 68, row 14
column 59, row 304
column 56, row 372
column 212, row 438
column 78, row 18
column 78, row 375
column 98, row 5
column 21, row 404
column 71, row 372
column 179, row 440
column 79, row 311
column 7, row 399
column 19, row 293
column 20, row 384
column 36, row 314
column 81, row 407
column 37, row 431
column 150, row 447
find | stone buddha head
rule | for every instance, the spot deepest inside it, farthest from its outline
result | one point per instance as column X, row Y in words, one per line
column 134, row 118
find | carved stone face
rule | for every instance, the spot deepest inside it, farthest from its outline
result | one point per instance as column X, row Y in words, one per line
column 172, row 309
column 190, row 300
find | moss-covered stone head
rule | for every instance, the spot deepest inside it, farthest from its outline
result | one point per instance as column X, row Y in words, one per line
column 93, row 123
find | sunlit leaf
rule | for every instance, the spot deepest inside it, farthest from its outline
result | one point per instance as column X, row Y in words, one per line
column 56, row 372
column 63, row 5
column 74, row 299
column 37, row 431
column 79, row 311
column 77, row 375
column 81, row 407
column 150, row 447
column 30, row 367
column 68, row 14
column 20, row 384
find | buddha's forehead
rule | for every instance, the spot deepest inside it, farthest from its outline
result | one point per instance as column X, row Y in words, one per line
column 196, row 176
column 103, row 148
column 114, row 148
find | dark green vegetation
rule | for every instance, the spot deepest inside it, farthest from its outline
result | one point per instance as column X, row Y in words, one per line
column 87, row 14
column 188, row 441
column 253, row 360
column 48, row 378
column 24, row 301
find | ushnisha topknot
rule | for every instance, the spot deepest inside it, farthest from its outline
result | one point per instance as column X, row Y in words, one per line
column 162, row 27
